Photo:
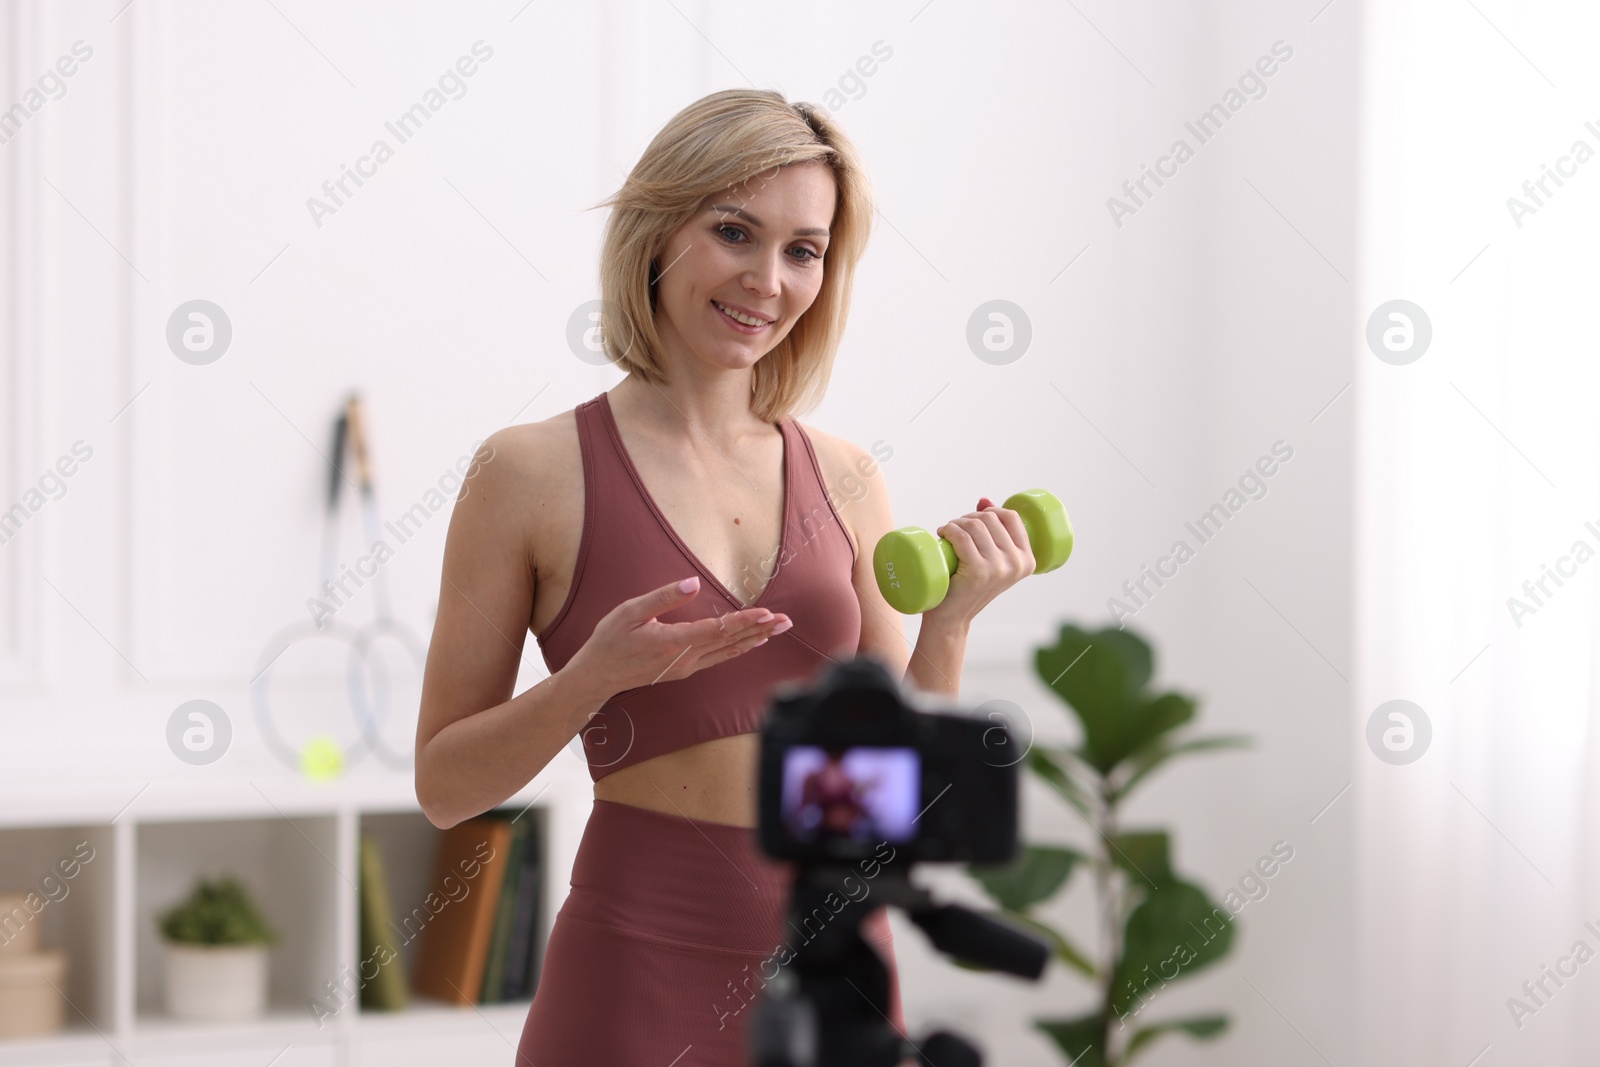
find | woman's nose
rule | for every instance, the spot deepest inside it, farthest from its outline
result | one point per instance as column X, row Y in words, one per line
column 763, row 278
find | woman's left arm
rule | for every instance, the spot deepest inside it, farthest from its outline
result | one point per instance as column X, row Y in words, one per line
column 992, row 550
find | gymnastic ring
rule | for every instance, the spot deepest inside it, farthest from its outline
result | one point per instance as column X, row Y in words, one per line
column 366, row 717
column 279, row 644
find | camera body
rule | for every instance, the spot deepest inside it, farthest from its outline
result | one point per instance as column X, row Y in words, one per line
column 848, row 764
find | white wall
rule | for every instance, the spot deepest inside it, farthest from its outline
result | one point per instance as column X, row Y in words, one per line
column 1175, row 350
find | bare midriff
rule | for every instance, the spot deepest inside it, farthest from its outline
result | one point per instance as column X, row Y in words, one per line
column 713, row 781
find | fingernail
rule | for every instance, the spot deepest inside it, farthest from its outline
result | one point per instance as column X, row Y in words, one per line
column 764, row 616
column 761, row 642
column 689, row 585
column 782, row 626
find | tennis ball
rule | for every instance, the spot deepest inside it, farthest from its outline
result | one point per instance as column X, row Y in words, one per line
column 321, row 758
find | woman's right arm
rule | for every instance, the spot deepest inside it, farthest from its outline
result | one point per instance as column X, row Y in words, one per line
column 476, row 743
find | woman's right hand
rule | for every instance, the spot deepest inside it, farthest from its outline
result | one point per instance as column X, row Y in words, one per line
column 631, row 648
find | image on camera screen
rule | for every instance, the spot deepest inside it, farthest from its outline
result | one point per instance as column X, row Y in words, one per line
column 860, row 792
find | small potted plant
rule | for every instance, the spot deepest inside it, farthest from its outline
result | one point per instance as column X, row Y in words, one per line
column 216, row 946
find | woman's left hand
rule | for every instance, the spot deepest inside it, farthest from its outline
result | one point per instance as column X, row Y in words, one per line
column 992, row 555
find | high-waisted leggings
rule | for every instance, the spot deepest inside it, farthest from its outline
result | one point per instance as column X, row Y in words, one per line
column 657, row 957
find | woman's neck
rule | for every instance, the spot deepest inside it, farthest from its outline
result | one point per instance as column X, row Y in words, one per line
column 721, row 413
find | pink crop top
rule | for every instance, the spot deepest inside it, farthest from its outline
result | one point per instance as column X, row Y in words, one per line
column 628, row 548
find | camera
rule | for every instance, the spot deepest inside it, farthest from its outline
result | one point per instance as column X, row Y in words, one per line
column 847, row 768
column 848, row 765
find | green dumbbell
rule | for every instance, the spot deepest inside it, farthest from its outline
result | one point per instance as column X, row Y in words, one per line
column 914, row 567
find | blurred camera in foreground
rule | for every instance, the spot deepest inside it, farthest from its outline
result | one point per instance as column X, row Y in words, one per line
column 848, row 771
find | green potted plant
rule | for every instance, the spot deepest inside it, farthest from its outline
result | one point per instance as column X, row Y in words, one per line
column 1154, row 926
column 215, row 945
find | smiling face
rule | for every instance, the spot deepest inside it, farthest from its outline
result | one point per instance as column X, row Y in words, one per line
column 755, row 250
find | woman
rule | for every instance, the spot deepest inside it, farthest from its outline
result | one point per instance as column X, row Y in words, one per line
column 832, row 801
column 726, row 275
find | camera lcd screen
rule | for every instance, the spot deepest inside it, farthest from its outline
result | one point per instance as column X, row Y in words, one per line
column 860, row 793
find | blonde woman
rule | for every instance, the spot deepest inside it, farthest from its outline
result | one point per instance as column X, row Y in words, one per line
column 678, row 546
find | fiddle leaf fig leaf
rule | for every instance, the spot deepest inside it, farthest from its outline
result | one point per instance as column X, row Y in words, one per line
column 1203, row 1027
column 1101, row 676
column 1080, row 1039
column 1097, row 670
column 1048, row 768
column 1172, row 933
column 1064, row 949
column 1036, row 874
column 1144, row 724
column 1147, row 759
column 1145, row 855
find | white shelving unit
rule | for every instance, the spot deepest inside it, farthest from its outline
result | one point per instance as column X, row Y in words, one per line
column 294, row 844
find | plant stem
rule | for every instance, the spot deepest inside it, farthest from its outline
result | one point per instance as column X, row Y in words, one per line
column 1105, row 877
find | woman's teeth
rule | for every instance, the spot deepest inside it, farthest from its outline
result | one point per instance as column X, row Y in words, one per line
column 738, row 317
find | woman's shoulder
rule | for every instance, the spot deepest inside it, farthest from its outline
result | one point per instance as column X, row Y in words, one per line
column 850, row 474
column 842, row 461
column 532, row 458
column 529, row 476
column 537, row 441
column 834, row 453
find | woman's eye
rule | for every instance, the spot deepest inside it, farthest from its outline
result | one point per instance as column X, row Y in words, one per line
column 727, row 228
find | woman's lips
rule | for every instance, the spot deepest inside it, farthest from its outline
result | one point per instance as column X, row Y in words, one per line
column 735, row 323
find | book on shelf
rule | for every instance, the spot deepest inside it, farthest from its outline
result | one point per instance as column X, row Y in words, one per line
column 468, row 874
column 522, row 960
column 495, row 926
column 494, row 971
column 380, row 951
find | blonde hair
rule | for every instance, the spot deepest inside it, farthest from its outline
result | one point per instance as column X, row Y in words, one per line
column 714, row 144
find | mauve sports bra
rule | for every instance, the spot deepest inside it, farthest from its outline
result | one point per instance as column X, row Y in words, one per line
column 628, row 548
